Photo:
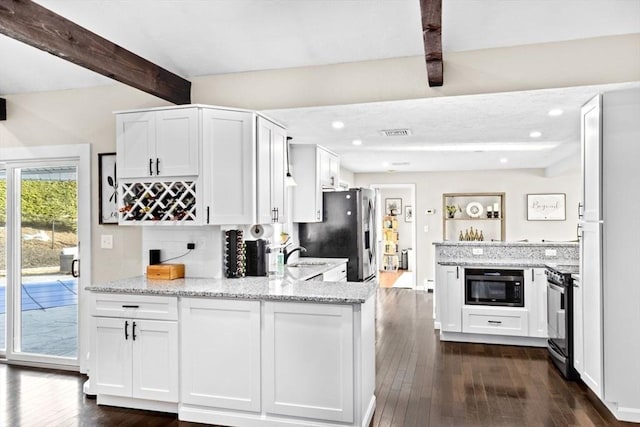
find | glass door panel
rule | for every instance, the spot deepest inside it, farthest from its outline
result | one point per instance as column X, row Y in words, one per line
column 46, row 293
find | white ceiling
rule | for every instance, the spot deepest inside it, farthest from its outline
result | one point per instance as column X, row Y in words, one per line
column 197, row 37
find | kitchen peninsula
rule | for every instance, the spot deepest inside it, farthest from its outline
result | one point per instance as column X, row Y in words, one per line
column 517, row 319
column 245, row 352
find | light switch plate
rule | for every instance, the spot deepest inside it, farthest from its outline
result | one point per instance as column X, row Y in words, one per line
column 106, row 241
column 426, row 228
column 477, row 251
column 550, row 252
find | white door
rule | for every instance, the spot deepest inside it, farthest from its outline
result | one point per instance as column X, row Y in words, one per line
column 154, row 360
column 535, row 291
column 592, row 159
column 176, row 147
column 264, row 136
column 278, row 170
column 450, row 297
column 111, row 360
column 135, row 141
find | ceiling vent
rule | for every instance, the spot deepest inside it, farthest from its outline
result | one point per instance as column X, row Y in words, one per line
column 395, row 132
column 400, row 164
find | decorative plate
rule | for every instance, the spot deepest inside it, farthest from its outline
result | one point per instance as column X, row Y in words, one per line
column 474, row 210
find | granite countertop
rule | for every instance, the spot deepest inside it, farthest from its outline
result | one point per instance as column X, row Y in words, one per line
column 509, row 263
column 288, row 288
column 503, row 244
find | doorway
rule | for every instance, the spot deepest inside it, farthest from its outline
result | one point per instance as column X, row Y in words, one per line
column 42, row 222
column 396, row 235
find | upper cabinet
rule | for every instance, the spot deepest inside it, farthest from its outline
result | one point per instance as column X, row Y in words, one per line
column 271, row 145
column 162, row 143
column 473, row 216
column 200, row 165
column 314, row 169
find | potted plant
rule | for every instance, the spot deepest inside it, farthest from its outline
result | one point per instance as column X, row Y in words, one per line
column 451, row 210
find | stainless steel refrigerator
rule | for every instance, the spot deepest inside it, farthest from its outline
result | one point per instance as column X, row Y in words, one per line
column 347, row 231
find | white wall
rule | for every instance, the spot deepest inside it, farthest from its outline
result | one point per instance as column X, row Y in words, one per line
column 515, row 183
column 85, row 115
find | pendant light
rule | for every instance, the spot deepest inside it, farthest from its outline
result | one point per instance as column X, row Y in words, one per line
column 288, row 179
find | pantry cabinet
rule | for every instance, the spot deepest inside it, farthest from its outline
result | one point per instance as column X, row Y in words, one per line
column 162, row 143
column 315, row 169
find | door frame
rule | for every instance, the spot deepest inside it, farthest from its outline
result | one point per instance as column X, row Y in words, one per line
column 379, row 210
column 30, row 157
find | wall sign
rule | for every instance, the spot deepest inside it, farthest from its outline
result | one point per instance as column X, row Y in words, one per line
column 107, row 189
column 546, row 207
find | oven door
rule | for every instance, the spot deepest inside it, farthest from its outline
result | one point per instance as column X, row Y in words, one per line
column 556, row 316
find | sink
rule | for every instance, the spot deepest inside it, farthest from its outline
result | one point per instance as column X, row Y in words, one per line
column 307, row 263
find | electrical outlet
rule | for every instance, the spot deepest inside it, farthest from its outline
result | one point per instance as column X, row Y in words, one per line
column 426, row 228
column 477, row 251
column 191, row 245
column 550, row 252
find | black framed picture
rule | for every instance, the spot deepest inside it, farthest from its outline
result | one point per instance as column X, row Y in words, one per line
column 393, row 206
column 107, row 189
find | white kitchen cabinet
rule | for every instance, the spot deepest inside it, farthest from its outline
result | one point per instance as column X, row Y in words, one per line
column 158, row 143
column 308, row 361
column 450, row 295
column 535, row 299
column 229, row 174
column 495, row 320
column 220, row 353
column 336, row 274
column 315, row 169
column 134, row 346
column 271, row 145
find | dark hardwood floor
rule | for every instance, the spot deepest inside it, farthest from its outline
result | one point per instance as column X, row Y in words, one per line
column 420, row 382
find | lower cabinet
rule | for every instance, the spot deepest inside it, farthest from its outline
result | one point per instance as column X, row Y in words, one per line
column 535, row 299
column 450, row 296
column 135, row 358
column 495, row 321
column 220, row 353
column 308, row 360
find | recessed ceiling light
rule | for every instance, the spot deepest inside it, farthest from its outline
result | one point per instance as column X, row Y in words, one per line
column 535, row 134
column 357, row 142
column 504, row 160
column 385, row 164
column 555, row 112
column 337, row 124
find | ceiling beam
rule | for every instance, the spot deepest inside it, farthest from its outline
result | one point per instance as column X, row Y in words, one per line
column 39, row 27
column 431, row 11
column 3, row 109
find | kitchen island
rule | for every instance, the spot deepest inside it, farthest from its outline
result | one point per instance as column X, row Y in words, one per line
column 522, row 322
column 244, row 352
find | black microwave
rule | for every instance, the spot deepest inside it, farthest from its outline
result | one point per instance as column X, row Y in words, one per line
column 494, row 287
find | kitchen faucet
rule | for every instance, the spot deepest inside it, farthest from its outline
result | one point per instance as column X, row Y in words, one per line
column 287, row 253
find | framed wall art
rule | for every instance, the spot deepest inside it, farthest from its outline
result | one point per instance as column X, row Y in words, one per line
column 546, row 207
column 393, row 206
column 107, row 189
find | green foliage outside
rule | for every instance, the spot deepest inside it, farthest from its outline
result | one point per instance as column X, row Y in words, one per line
column 44, row 202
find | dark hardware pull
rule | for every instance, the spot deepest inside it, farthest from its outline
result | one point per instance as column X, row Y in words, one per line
column 274, row 215
column 457, row 272
column 578, row 227
column 130, row 306
column 580, row 212
column 157, row 166
column 493, row 322
column 74, row 271
column 126, row 329
column 207, row 214
column 533, row 277
column 133, row 331
column 150, row 167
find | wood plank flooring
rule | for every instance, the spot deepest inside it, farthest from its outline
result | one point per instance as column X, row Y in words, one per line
column 421, row 382
column 386, row 279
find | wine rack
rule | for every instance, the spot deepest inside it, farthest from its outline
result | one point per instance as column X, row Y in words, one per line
column 173, row 201
column 235, row 254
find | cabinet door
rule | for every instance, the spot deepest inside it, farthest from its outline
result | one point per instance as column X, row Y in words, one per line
column 135, row 142
column 278, row 172
column 176, row 150
column 111, row 356
column 329, row 169
column 592, row 159
column 535, row 300
column 264, row 135
column 591, row 281
column 221, row 353
column 308, row 360
column 307, row 194
column 155, row 360
column 450, row 297
column 228, row 166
